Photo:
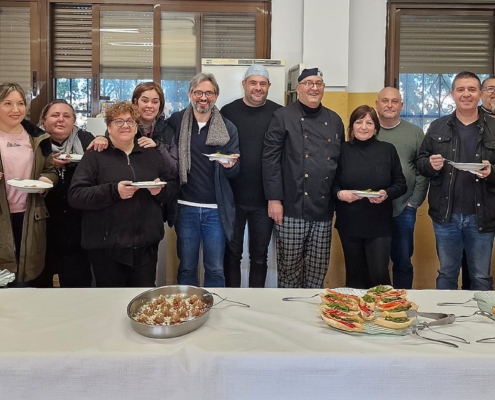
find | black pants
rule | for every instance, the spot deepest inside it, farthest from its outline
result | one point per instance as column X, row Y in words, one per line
column 260, row 227
column 72, row 265
column 366, row 261
column 112, row 273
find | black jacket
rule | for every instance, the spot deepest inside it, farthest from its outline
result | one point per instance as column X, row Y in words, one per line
column 163, row 134
column 442, row 138
column 64, row 224
column 300, row 158
column 110, row 222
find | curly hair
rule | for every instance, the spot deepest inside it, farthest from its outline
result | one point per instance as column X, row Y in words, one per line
column 120, row 108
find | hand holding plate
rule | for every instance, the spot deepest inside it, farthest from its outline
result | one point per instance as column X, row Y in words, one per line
column 59, row 163
column 378, row 200
column 46, row 180
column 155, row 191
column 232, row 161
column 125, row 190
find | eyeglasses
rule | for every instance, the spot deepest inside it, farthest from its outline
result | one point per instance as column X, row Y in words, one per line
column 309, row 84
column 489, row 89
column 119, row 123
column 198, row 94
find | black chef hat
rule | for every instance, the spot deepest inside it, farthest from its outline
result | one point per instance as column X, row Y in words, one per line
column 310, row 72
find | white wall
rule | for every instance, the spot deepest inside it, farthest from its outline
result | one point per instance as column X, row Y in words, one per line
column 344, row 38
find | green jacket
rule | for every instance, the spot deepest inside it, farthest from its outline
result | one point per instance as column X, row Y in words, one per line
column 32, row 255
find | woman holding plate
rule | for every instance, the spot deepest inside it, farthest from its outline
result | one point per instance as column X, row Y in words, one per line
column 64, row 254
column 369, row 176
column 25, row 154
column 120, row 191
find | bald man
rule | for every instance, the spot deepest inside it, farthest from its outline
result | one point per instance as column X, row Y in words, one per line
column 407, row 139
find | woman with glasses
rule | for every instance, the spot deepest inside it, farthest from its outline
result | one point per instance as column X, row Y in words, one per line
column 25, row 153
column 64, row 255
column 120, row 191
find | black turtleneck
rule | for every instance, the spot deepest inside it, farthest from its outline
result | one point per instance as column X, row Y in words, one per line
column 363, row 165
column 309, row 110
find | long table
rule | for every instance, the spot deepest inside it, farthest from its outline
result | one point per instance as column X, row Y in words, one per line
column 79, row 344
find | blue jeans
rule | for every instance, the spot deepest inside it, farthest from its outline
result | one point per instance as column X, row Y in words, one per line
column 461, row 233
column 196, row 225
column 402, row 248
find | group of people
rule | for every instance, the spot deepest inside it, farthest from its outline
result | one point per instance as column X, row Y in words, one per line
column 285, row 167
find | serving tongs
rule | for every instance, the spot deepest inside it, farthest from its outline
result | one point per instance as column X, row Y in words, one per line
column 227, row 300
column 461, row 303
column 439, row 319
column 297, row 298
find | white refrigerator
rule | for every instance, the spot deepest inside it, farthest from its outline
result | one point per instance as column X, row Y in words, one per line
column 230, row 73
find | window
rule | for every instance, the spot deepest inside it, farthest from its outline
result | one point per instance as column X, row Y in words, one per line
column 427, row 45
column 101, row 52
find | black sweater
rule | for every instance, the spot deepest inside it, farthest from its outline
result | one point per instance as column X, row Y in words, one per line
column 374, row 165
column 252, row 124
column 109, row 222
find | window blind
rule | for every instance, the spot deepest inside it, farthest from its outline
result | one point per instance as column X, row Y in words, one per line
column 446, row 44
column 72, row 42
column 15, row 50
column 178, row 46
column 228, row 36
column 126, row 45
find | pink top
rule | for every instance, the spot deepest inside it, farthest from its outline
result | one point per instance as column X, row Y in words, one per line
column 17, row 160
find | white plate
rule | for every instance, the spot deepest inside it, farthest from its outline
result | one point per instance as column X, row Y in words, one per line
column 361, row 193
column 27, row 185
column 149, row 184
column 223, row 158
column 467, row 166
column 370, row 327
column 488, row 300
column 70, row 157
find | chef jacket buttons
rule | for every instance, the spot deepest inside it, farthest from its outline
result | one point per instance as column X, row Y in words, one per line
column 328, row 158
column 307, row 155
column 302, row 119
column 305, row 136
column 329, row 140
column 326, row 123
column 326, row 178
column 306, row 175
column 439, row 138
column 322, row 197
column 478, row 204
column 305, row 193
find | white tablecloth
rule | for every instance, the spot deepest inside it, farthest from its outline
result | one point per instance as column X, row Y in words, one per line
column 78, row 344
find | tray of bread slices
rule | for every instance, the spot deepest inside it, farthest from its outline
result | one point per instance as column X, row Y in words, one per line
column 379, row 310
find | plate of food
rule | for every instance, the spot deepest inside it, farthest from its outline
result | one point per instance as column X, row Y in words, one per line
column 467, row 166
column 148, row 184
column 75, row 158
column 29, row 185
column 379, row 310
column 367, row 193
column 223, row 158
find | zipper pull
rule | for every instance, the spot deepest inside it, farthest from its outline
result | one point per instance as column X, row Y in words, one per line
column 128, row 161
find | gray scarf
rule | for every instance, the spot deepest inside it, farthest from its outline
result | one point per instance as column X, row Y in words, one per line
column 71, row 145
column 217, row 136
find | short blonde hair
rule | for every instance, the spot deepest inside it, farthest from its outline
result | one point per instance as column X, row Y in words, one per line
column 119, row 108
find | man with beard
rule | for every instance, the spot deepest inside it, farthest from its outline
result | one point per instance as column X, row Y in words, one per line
column 251, row 115
column 300, row 158
column 407, row 139
column 206, row 211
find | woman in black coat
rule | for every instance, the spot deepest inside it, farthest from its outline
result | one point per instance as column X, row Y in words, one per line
column 64, row 254
column 364, row 220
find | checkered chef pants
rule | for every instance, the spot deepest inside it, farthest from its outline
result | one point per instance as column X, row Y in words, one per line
column 303, row 252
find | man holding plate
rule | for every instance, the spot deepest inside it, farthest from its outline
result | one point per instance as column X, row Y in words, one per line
column 462, row 194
